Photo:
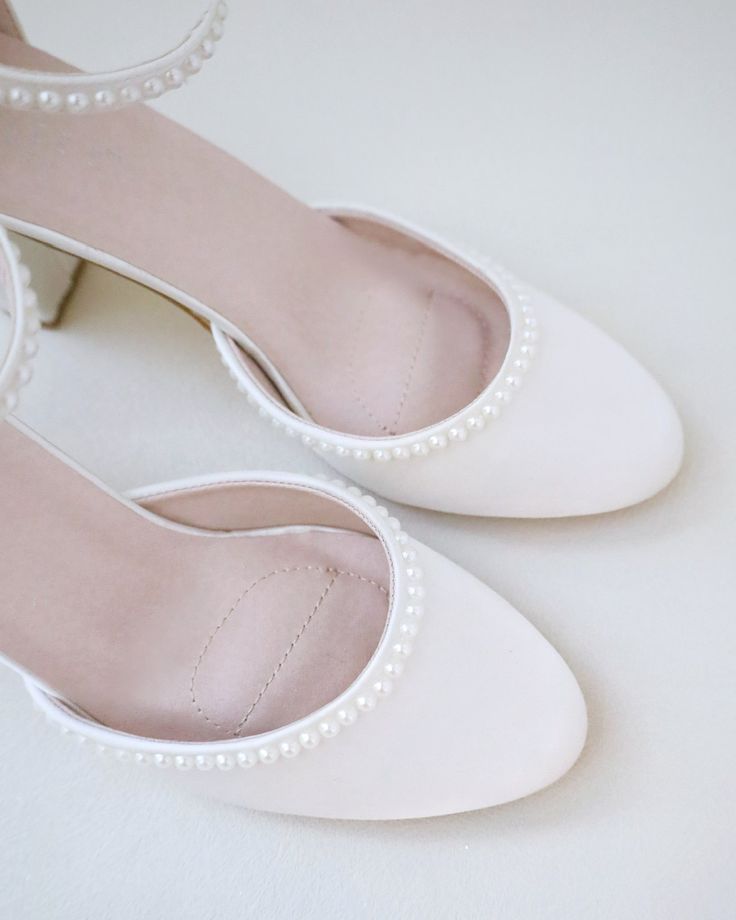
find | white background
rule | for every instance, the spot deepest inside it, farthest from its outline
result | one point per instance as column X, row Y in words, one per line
column 589, row 146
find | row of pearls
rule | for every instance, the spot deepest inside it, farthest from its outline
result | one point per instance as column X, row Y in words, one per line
column 80, row 93
column 488, row 407
column 367, row 696
column 17, row 370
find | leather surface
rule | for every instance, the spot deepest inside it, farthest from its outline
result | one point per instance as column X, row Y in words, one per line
column 589, row 431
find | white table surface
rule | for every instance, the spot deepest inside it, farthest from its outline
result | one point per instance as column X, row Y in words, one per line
column 590, row 147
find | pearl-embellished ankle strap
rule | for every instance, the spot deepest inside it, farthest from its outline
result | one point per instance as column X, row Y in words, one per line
column 102, row 92
column 20, row 302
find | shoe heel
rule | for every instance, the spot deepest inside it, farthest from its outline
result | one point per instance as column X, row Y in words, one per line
column 54, row 273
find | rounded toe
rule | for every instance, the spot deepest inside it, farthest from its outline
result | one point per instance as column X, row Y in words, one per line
column 589, row 431
column 603, row 432
column 486, row 712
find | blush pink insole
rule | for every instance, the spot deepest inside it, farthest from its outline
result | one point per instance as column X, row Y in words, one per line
column 180, row 635
column 374, row 337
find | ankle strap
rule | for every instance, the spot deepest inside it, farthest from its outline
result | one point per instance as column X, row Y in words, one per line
column 102, row 92
column 20, row 301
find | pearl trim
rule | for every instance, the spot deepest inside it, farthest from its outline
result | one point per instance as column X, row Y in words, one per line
column 375, row 684
column 518, row 299
column 78, row 93
column 15, row 370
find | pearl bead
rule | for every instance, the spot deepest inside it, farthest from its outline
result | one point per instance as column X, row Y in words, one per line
column 268, row 754
column 414, row 572
column 408, row 629
column 183, row 763
column 104, row 99
column 20, row 98
column 289, row 749
column 402, row 537
column 437, row 441
column 224, row 762
column 207, row 48
column 409, row 555
column 130, row 94
column 491, row 411
column 415, row 591
column 48, row 100
column 457, row 434
column 153, row 87
column 329, row 728
column 381, row 455
column 77, row 102
column 161, row 760
column 203, row 762
column 246, row 759
column 383, row 687
column 309, row 740
column 174, row 77
column 402, row 649
column 142, row 759
column 222, row 10
column 420, row 449
column 366, row 703
column 415, row 610
column 347, row 716
column 394, row 668
column 475, row 423
column 193, row 63
column 400, row 453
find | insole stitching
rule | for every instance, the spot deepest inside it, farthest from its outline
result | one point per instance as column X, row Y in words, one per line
column 289, row 650
column 414, row 357
column 390, row 430
column 353, row 380
column 279, row 571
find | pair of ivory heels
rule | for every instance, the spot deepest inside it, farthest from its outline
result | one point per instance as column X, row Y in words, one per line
column 271, row 639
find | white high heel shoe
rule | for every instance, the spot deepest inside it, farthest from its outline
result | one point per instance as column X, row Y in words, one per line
column 419, row 369
column 272, row 640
